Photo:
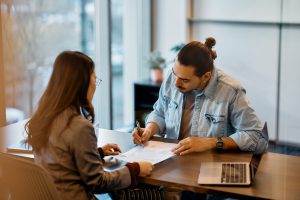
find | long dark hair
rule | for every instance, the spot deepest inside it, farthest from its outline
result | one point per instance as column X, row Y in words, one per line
column 201, row 56
column 67, row 88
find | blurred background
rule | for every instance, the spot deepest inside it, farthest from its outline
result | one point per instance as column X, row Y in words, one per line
column 257, row 43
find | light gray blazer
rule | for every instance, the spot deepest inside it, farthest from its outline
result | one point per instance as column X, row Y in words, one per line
column 74, row 163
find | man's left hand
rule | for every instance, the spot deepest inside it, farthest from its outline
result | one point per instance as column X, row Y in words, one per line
column 193, row 144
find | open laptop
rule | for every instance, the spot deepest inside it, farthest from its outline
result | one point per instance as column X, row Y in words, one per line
column 229, row 173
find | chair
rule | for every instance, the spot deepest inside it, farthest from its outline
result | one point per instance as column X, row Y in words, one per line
column 23, row 179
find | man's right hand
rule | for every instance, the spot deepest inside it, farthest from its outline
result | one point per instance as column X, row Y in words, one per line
column 142, row 137
column 145, row 168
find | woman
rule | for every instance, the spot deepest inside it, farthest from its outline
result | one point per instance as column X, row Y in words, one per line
column 63, row 137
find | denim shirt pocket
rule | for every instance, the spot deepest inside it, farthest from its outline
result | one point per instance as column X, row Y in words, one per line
column 216, row 125
column 171, row 111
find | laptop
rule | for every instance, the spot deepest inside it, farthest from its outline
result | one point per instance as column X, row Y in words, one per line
column 229, row 173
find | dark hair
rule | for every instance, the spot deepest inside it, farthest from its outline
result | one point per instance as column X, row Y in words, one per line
column 201, row 56
column 67, row 88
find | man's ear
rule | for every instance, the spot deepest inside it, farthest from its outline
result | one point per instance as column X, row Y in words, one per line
column 207, row 76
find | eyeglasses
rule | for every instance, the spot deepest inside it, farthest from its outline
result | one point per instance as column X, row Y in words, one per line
column 98, row 81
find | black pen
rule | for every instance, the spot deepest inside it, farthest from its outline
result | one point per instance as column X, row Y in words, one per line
column 138, row 127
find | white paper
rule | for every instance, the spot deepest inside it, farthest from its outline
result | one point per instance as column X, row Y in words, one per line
column 153, row 152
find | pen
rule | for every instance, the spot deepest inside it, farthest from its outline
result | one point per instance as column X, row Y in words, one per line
column 138, row 127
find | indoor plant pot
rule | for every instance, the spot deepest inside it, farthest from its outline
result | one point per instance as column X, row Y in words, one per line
column 156, row 63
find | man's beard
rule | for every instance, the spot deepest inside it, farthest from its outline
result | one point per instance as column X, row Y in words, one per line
column 181, row 89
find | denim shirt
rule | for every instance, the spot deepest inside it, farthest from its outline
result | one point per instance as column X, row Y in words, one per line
column 222, row 110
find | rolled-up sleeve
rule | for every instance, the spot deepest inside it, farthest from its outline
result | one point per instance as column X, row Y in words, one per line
column 249, row 135
column 250, row 141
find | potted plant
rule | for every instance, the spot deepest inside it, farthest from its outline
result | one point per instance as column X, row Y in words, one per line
column 175, row 50
column 156, row 63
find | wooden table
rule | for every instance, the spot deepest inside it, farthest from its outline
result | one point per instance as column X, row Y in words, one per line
column 278, row 175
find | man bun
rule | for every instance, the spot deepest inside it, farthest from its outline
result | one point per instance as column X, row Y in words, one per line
column 210, row 42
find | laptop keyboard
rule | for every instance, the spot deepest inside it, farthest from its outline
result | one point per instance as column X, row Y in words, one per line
column 233, row 173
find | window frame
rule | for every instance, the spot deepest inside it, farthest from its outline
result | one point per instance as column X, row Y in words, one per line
column 137, row 44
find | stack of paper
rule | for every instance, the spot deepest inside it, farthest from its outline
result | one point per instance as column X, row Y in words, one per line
column 153, row 152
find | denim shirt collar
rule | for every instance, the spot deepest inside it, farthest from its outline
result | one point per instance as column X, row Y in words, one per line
column 212, row 85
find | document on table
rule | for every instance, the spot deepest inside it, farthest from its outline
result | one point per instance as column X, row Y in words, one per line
column 20, row 148
column 153, row 152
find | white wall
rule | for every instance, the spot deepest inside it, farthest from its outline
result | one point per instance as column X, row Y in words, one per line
column 289, row 107
column 254, row 44
column 242, row 10
column 169, row 25
column 248, row 40
column 291, row 11
column 102, row 100
column 137, row 30
column 247, row 53
column 289, row 87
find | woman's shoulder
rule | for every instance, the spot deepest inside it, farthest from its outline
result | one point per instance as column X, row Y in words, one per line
column 72, row 122
column 74, row 116
column 70, row 130
column 80, row 123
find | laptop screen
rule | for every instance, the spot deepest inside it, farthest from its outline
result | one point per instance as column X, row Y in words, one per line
column 254, row 163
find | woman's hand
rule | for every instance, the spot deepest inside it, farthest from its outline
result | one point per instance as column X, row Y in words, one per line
column 145, row 168
column 111, row 149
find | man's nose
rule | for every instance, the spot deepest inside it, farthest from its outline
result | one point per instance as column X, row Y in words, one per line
column 177, row 82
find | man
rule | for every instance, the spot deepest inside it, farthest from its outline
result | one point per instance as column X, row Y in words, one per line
column 203, row 107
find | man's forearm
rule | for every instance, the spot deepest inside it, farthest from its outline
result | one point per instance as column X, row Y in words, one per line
column 153, row 127
column 227, row 141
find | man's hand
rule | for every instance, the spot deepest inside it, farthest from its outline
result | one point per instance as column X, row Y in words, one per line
column 142, row 137
column 194, row 144
column 111, row 149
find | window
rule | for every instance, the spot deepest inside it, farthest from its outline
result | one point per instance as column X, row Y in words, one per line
column 117, row 56
column 34, row 33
